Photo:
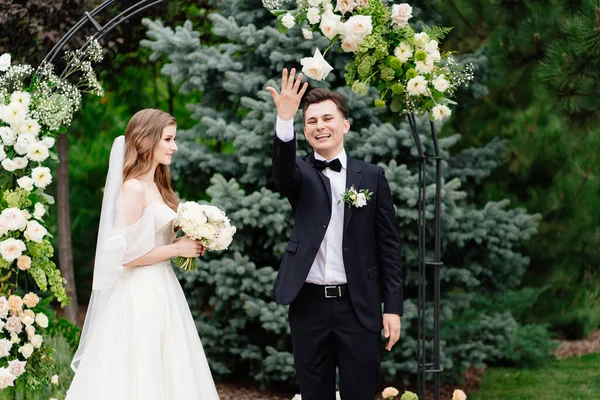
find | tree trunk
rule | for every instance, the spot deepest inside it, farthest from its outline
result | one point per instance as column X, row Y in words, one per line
column 65, row 246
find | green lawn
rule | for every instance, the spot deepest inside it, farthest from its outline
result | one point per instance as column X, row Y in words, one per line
column 571, row 378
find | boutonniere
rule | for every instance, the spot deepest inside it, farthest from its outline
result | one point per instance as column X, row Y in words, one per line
column 354, row 198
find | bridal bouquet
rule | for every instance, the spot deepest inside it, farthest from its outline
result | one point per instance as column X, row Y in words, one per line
column 206, row 223
column 407, row 67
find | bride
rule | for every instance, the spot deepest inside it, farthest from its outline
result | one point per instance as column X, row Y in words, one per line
column 139, row 340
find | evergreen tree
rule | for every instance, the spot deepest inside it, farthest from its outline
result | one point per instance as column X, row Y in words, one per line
column 227, row 156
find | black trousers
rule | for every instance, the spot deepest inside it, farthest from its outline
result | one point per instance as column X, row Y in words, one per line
column 327, row 333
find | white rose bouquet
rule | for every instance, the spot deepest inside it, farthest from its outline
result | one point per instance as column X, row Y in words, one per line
column 407, row 67
column 205, row 223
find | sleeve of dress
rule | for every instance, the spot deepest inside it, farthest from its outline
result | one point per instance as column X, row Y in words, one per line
column 139, row 237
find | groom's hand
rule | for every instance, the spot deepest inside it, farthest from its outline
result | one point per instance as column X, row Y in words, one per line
column 288, row 101
column 391, row 329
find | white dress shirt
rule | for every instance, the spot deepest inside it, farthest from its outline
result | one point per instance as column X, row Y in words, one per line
column 328, row 267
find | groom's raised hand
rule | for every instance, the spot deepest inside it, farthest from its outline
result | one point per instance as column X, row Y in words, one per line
column 288, row 101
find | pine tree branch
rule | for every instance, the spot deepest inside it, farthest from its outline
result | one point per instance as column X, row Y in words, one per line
column 598, row 18
column 465, row 20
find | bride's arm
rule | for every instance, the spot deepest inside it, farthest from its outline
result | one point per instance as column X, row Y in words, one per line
column 133, row 203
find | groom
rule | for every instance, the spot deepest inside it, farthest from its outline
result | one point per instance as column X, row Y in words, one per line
column 343, row 258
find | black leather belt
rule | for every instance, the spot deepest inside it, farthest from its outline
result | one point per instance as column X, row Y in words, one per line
column 325, row 291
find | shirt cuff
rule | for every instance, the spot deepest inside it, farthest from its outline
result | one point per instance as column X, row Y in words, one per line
column 284, row 129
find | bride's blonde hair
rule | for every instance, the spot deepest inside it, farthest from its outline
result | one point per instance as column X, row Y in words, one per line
column 143, row 133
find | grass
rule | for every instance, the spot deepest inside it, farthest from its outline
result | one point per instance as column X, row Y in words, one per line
column 569, row 378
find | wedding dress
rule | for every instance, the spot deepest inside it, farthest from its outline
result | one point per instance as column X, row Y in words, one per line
column 140, row 341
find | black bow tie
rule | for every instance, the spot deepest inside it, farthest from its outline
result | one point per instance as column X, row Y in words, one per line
column 334, row 165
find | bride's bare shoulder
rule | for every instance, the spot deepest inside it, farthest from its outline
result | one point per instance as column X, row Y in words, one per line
column 133, row 187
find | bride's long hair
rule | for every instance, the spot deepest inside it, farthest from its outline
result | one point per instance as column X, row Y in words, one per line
column 143, row 133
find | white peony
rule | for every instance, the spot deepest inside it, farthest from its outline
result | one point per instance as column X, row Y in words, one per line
column 316, row 67
column 20, row 162
column 288, row 21
column 8, row 136
column 440, row 112
column 313, row 15
column 345, row 6
column 224, row 238
column 41, row 176
column 401, row 13
column 22, row 98
column 330, row 24
column 26, row 183
column 359, row 26
column 37, row 341
column 38, row 152
column 4, row 62
column 14, row 325
column 26, row 350
column 425, row 67
column 48, row 142
column 404, row 52
column 207, row 232
column 440, row 83
column 421, row 39
column 360, row 201
column 39, row 210
column 5, row 346
column 35, row 232
column 12, row 219
column 416, row 86
column 42, row 320
column 24, row 141
column 17, row 367
column 314, row 3
column 307, row 33
column 6, row 378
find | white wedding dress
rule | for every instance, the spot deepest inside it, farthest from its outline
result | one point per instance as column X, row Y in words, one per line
column 144, row 345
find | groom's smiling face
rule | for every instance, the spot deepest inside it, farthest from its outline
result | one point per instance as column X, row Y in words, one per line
column 325, row 127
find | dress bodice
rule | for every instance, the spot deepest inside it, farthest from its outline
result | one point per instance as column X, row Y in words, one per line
column 164, row 218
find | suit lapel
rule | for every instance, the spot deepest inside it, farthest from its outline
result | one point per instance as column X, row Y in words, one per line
column 353, row 178
column 324, row 178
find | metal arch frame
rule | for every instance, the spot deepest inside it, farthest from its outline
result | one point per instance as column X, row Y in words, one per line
column 425, row 368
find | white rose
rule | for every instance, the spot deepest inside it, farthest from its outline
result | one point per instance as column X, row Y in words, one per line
column 37, row 341
column 6, row 378
column 38, row 152
column 35, row 232
column 435, row 55
column 431, row 46
column 358, row 26
column 330, row 24
column 345, row 6
column 440, row 83
column 17, row 367
column 27, row 320
column 24, row 140
column 2, row 153
column 316, row 67
column 8, row 136
column 421, row 39
column 360, row 201
column 14, row 325
column 314, row 3
column 41, row 320
column 39, row 210
column 401, row 13
column 440, row 112
column 48, row 142
column 13, row 219
column 20, row 162
column 5, row 346
column 351, row 46
column 288, row 21
column 26, row 350
column 4, row 62
column 54, row 379
column 22, row 98
column 425, row 67
column 30, row 331
column 307, row 33
column 9, row 165
column 41, row 176
column 404, row 52
column 14, row 338
column 313, row 15
column 4, row 307
column 26, row 183
column 416, row 86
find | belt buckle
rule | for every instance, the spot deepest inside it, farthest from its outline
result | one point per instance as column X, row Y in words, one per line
column 327, row 296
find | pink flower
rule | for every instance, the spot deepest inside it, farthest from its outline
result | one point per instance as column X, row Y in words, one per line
column 401, row 13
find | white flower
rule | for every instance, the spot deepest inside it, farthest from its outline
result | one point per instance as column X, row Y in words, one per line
column 421, row 39
column 224, row 238
column 208, row 232
column 27, row 319
column 14, row 338
column 307, row 33
column 6, row 378
column 4, row 62
column 29, row 126
column 345, row 6
column 30, row 331
column 12, row 219
column 313, row 15
column 351, row 45
column 35, row 232
column 41, row 176
column 440, row 83
column 288, row 21
column 14, row 325
column 14, row 113
column 330, row 24
column 11, row 249
column 431, row 46
column 54, row 379
column 425, row 67
column 9, row 165
column 328, row 6
column 401, row 13
column 4, row 307
column 439, row 112
column 359, row 26
column 8, row 136
column 24, row 141
column 5, row 346
column 26, row 350
column 214, row 214
column 20, row 162
column 48, row 142
column 404, row 52
column 38, row 152
column 22, row 98
column 435, row 55
column 39, row 210
column 25, row 183
column 314, row 3
column 41, row 320
column 416, row 86
column 2, row 153
column 17, row 367
column 316, row 67
column 360, row 201
column 37, row 341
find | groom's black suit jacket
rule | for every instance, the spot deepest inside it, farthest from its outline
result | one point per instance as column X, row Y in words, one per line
column 371, row 247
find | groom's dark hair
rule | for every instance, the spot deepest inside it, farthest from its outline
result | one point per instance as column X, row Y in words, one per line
column 319, row 95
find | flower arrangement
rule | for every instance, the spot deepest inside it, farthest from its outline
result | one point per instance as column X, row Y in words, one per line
column 355, row 198
column 206, row 223
column 407, row 67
